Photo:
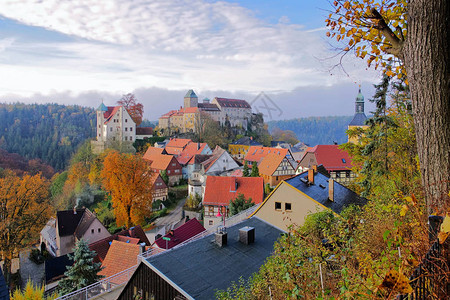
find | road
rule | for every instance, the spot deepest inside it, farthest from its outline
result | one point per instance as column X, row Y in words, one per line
column 173, row 217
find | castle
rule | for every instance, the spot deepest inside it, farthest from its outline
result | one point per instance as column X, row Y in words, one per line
column 222, row 110
column 115, row 129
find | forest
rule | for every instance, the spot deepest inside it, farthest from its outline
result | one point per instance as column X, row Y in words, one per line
column 315, row 130
column 50, row 132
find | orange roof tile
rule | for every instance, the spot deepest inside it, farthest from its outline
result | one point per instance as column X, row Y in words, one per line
column 270, row 163
column 189, row 110
column 152, row 152
column 161, row 161
column 189, row 151
column 220, row 190
column 256, row 153
column 121, row 256
column 179, row 143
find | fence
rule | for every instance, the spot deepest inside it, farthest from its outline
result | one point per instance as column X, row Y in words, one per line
column 430, row 280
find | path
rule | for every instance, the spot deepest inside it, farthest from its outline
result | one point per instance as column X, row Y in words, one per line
column 173, row 217
column 29, row 270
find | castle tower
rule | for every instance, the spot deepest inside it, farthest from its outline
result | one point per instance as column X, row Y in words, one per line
column 359, row 119
column 190, row 99
column 100, row 121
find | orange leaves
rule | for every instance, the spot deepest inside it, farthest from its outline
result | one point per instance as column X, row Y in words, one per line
column 128, row 179
column 396, row 282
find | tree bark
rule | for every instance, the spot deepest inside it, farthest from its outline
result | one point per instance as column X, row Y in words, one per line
column 426, row 57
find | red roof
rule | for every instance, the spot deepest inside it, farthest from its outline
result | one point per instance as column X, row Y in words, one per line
column 162, row 162
column 216, row 154
column 220, row 190
column 121, row 256
column 237, row 173
column 189, row 151
column 331, row 157
column 184, row 232
column 270, row 163
column 167, row 115
column 189, row 110
column 234, row 103
column 101, row 247
column 110, row 113
column 257, row 153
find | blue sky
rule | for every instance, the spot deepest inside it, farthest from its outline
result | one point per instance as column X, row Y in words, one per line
column 80, row 52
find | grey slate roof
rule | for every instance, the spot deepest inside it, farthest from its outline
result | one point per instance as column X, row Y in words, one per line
column 201, row 267
column 343, row 196
column 4, row 292
column 246, row 141
column 68, row 221
column 190, row 94
column 358, row 120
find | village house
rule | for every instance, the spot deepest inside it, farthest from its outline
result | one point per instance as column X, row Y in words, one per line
column 164, row 162
column 275, row 168
column 309, row 192
column 69, row 227
column 160, row 189
column 219, row 191
column 336, row 161
column 179, row 235
column 239, row 148
column 199, row 268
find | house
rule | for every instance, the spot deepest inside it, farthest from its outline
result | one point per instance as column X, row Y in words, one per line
column 164, row 162
column 198, row 269
column 359, row 119
column 135, row 234
column 4, row 291
column 175, row 146
column 196, row 184
column 337, row 162
column 274, row 168
column 239, row 148
column 144, row 132
column 115, row 128
column 257, row 153
column 70, row 227
column 219, row 162
column 179, row 235
column 48, row 237
column 160, row 188
column 309, row 192
column 219, row 191
column 121, row 256
column 187, row 154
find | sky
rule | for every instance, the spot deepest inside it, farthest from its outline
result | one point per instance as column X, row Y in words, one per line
column 274, row 54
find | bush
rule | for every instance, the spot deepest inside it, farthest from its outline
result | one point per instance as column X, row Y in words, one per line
column 39, row 257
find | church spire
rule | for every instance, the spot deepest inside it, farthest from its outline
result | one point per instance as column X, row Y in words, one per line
column 359, row 104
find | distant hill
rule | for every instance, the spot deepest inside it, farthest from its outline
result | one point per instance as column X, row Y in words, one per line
column 19, row 165
column 49, row 132
column 316, row 130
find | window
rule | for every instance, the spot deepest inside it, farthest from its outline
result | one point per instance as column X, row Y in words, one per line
column 210, row 222
column 343, row 160
column 173, row 164
column 278, row 205
column 126, row 138
column 177, row 171
column 131, row 128
column 92, row 231
column 131, row 138
column 110, row 128
column 126, row 120
column 99, row 230
column 287, row 206
column 126, row 128
column 168, row 171
column 277, row 178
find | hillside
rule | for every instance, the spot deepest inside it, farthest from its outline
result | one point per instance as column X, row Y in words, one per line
column 49, row 132
column 316, row 130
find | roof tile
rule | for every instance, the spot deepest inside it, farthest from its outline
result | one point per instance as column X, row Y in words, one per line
column 220, row 190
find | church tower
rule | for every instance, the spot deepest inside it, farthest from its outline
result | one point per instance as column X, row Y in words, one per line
column 190, row 99
column 100, row 121
column 359, row 119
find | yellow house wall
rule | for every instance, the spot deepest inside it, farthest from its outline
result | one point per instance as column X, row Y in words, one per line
column 301, row 206
column 355, row 139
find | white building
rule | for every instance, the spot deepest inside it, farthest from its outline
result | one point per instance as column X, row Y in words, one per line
column 115, row 129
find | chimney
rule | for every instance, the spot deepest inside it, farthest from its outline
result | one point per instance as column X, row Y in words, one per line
column 75, row 210
column 331, row 189
column 311, row 176
column 141, row 248
column 233, row 185
column 198, row 146
column 247, row 235
column 221, row 236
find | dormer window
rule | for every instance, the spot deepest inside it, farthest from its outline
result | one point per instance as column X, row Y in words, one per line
column 343, row 160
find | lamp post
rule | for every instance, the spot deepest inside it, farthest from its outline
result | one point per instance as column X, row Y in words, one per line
column 224, row 213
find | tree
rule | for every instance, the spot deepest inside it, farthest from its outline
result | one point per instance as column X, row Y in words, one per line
column 164, row 176
column 245, row 171
column 135, row 109
column 255, row 170
column 208, row 130
column 31, row 292
column 24, row 209
column 127, row 178
column 396, row 34
column 239, row 204
column 83, row 272
column 287, row 136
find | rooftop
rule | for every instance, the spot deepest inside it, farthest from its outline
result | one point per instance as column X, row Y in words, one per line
column 189, row 229
column 358, row 120
column 256, row 153
column 202, row 267
column 121, row 256
column 232, row 103
column 331, row 157
column 219, row 190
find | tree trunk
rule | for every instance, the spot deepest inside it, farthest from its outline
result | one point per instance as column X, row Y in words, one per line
column 426, row 57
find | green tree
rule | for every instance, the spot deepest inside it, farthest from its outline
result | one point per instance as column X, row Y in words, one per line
column 255, row 170
column 83, row 272
column 164, row 176
column 245, row 171
column 239, row 204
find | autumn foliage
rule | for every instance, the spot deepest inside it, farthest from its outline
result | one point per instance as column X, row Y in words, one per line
column 135, row 109
column 128, row 180
column 24, row 209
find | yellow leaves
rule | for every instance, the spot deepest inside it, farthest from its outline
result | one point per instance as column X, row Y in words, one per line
column 395, row 281
column 404, row 210
column 445, row 229
column 342, row 31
